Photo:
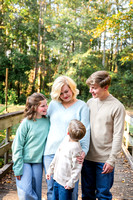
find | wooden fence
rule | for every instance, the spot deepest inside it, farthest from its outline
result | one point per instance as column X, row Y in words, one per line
column 7, row 121
column 127, row 145
column 11, row 119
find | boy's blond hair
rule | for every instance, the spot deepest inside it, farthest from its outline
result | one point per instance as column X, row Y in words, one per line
column 76, row 129
column 57, row 85
column 102, row 78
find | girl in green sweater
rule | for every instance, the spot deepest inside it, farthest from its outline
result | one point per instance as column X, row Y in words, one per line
column 28, row 147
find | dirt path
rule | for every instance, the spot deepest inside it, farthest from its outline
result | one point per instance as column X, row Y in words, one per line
column 121, row 190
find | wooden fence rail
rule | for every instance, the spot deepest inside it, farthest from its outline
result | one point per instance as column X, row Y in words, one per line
column 7, row 121
column 127, row 145
column 11, row 119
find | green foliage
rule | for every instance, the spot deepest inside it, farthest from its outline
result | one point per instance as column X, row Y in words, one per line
column 122, row 87
column 22, row 99
column 12, row 97
column 59, row 37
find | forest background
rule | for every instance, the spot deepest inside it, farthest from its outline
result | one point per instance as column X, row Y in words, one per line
column 42, row 39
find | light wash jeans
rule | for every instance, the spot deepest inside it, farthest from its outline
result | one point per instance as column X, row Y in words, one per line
column 30, row 185
column 46, row 161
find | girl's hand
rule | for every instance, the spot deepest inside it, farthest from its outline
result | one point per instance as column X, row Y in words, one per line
column 67, row 187
column 80, row 158
column 18, row 177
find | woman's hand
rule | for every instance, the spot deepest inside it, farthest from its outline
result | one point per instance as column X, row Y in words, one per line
column 80, row 158
column 48, row 176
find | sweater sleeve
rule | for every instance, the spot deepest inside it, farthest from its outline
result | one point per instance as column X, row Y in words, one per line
column 17, row 148
column 119, row 118
column 85, row 119
column 75, row 171
column 52, row 166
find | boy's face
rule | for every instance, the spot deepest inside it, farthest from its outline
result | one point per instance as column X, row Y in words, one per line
column 98, row 92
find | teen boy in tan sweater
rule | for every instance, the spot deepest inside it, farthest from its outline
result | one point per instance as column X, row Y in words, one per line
column 107, row 117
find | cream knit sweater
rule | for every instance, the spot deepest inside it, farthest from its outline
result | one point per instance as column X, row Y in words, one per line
column 65, row 166
column 107, row 127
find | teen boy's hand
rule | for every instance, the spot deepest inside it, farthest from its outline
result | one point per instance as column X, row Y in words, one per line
column 107, row 168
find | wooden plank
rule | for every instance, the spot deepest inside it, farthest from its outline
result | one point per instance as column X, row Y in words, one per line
column 5, row 169
column 128, row 138
column 7, row 120
column 129, row 119
column 11, row 114
column 6, row 147
column 128, row 156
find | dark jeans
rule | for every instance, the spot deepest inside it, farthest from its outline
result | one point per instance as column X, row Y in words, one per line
column 94, row 183
column 60, row 193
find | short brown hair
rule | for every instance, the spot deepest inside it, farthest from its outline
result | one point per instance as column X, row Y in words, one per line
column 32, row 104
column 102, row 78
column 76, row 129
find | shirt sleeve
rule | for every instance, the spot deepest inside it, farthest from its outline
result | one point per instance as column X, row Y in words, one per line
column 75, row 171
column 119, row 118
column 85, row 119
column 17, row 148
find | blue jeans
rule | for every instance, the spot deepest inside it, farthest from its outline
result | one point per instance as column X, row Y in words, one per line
column 94, row 183
column 46, row 161
column 30, row 185
column 60, row 193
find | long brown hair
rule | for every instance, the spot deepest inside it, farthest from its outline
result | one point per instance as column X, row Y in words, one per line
column 32, row 104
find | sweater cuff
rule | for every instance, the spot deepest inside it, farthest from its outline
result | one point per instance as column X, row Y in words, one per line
column 70, row 184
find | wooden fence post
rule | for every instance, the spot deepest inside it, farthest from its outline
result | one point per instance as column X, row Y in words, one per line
column 8, row 130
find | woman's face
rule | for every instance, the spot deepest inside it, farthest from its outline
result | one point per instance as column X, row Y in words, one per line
column 66, row 93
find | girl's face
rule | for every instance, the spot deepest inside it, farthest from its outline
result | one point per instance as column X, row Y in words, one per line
column 66, row 94
column 42, row 109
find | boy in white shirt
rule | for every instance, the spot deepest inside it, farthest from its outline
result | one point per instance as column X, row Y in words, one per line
column 65, row 167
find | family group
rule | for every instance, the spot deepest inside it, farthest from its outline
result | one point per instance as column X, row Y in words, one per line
column 67, row 139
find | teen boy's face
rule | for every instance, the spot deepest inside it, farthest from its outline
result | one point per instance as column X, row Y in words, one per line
column 97, row 91
column 42, row 108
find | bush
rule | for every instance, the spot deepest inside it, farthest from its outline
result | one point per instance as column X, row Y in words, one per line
column 12, row 97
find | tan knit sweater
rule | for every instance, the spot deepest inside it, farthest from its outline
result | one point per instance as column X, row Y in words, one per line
column 107, row 127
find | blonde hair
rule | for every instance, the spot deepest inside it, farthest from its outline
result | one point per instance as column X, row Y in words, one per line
column 32, row 104
column 76, row 129
column 57, row 85
column 102, row 78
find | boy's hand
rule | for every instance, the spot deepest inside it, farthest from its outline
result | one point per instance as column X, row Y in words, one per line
column 48, row 176
column 67, row 187
column 18, row 177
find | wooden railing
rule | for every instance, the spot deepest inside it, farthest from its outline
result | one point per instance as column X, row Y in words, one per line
column 11, row 119
column 7, row 121
column 127, row 145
